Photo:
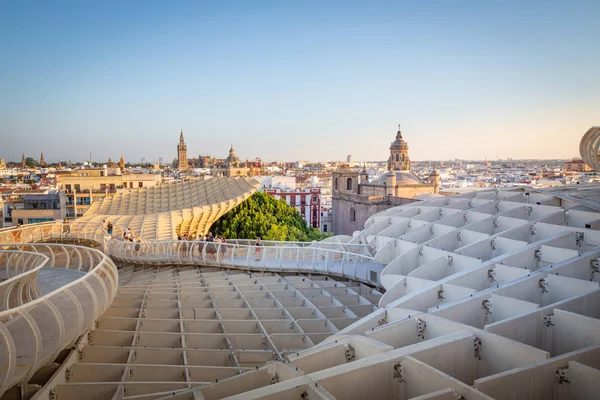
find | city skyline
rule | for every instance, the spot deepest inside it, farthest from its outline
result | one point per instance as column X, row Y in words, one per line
column 311, row 81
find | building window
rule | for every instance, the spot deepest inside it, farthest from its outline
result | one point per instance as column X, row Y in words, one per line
column 325, row 228
column 140, row 184
column 77, row 187
column 349, row 184
column 397, row 157
column 352, row 215
column 335, row 184
column 103, row 186
column 68, row 188
column 315, row 199
column 38, row 220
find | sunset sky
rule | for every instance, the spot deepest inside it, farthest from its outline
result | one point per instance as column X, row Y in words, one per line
column 307, row 80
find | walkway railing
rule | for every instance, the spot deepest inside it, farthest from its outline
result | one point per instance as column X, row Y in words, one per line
column 287, row 259
column 18, row 271
column 349, row 247
column 36, row 327
column 48, row 231
column 290, row 257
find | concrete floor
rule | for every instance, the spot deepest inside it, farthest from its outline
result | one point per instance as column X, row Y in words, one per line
column 50, row 279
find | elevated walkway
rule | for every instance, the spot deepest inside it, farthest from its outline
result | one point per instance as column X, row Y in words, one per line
column 483, row 290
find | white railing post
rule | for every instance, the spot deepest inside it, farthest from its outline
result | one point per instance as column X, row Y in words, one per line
column 281, row 258
column 248, row 258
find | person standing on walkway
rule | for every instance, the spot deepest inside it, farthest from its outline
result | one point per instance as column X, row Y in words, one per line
column 200, row 245
column 66, row 227
column 223, row 247
column 258, row 248
column 210, row 247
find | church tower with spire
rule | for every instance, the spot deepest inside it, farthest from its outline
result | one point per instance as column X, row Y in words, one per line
column 182, row 153
column 42, row 161
column 23, row 163
column 399, row 160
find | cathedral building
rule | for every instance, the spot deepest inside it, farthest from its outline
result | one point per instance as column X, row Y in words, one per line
column 220, row 167
column 355, row 199
column 231, row 166
column 182, row 161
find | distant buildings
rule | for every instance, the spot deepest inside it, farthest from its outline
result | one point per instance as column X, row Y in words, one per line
column 306, row 201
column 26, row 206
column 231, row 166
column 276, row 182
column 355, row 198
column 350, row 160
column 576, row 165
column 83, row 187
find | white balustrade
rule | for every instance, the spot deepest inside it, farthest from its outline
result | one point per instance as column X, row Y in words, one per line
column 36, row 325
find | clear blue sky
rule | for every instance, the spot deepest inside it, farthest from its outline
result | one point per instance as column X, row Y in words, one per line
column 297, row 80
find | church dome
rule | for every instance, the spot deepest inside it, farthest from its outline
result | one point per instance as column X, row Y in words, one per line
column 404, row 178
column 399, row 143
column 408, row 178
column 232, row 160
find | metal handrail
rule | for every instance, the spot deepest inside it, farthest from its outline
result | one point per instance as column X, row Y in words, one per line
column 276, row 257
column 302, row 244
column 43, row 326
column 21, row 284
column 285, row 259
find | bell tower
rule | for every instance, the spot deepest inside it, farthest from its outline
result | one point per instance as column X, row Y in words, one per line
column 399, row 160
column 182, row 153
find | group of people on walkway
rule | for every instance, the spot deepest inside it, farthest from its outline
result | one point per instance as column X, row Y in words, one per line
column 133, row 241
column 214, row 246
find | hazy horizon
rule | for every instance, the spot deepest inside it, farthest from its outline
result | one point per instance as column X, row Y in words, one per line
column 297, row 81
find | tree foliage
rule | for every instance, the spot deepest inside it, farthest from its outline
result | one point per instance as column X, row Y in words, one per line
column 271, row 219
column 30, row 162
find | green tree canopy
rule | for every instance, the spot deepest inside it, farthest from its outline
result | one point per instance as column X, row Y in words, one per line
column 30, row 162
column 262, row 215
